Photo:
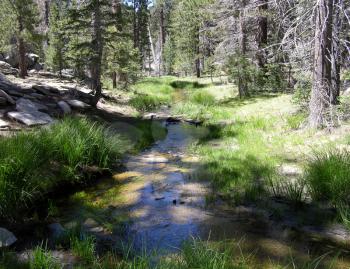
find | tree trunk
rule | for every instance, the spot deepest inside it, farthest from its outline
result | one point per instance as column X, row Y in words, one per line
column 198, row 61
column 97, row 45
column 135, row 25
column 161, row 39
column 336, row 51
column 321, row 88
column 21, row 51
column 114, row 79
column 242, row 82
column 261, row 36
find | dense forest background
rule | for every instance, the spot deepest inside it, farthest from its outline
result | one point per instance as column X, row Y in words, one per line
column 261, row 45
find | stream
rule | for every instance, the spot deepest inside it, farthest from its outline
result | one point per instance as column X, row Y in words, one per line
column 158, row 203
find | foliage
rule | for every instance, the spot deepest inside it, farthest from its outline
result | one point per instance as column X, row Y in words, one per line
column 57, row 49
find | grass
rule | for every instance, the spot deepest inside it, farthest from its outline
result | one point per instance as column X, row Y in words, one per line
column 42, row 259
column 84, row 248
column 145, row 102
column 327, row 176
column 34, row 163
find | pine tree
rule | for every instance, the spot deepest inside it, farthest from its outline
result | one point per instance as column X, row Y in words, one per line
column 55, row 53
column 24, row 14
column 93, row 18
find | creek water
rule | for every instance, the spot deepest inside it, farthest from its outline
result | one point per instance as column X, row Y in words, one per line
column 161, row 203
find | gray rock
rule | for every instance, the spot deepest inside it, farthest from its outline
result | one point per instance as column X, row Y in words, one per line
column 8, row 98
column 64, row 107
column 25, row 105
column 3, row 101
column 56, row 230
column 6, row 238
column 37, row 95
column 38, row 67
column 7, row 69
column 4, row 124
column 45, row 89
column 77, row 104
column 31, row 118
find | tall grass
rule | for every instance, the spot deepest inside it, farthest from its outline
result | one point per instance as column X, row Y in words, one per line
column 43, row 259
column 144, row 102
column 203, row 98
column 327, row 176
column 33, row 163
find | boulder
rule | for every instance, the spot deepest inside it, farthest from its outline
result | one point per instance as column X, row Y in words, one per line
column 3, row 101
column 56, row 230
column 7, row 97
column 45, row 89
column 6, row 238
column 25, row 105
column 38, row 67
column 32, row 118
column 77, row 104
column 13, row 59
column 7, row 69
column 4, row 124
column 64, row 107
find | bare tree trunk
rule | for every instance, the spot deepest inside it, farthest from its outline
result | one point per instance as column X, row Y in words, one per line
column 320, row 95
column 135, row 26
column 336, row 51
column 161, row 39
column 97, row 45
column 261, row 36
column 242, row 82
column 21, row 51
column 198, row 61
column 117, row 11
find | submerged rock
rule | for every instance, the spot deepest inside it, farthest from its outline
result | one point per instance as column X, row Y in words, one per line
column 6, row 238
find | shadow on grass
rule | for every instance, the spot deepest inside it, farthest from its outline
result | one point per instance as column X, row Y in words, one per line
column 236, row 101
column 182, row 84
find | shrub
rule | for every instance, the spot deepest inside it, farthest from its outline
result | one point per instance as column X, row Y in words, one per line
column 327, row 176
column 203, row 98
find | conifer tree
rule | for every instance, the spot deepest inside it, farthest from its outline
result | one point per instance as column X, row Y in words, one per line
column 24, row 14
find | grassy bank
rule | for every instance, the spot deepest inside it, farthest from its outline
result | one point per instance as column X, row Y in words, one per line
column 33, row 164
column 259, row 147
column 194, row 254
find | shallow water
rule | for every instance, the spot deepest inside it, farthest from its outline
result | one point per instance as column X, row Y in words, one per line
column 161, row 205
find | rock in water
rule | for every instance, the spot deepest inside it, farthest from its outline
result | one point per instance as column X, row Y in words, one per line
column 6, row 238
column 64, row 107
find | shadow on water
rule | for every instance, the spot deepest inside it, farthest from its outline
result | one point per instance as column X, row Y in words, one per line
column 156, row 205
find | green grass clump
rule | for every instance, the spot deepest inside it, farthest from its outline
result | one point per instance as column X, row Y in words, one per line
column 327, row 176
column 143, row 102
column 84, row 248
column 34, row 163
column 296, row 120
column 203, row 98
column 42, row 259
